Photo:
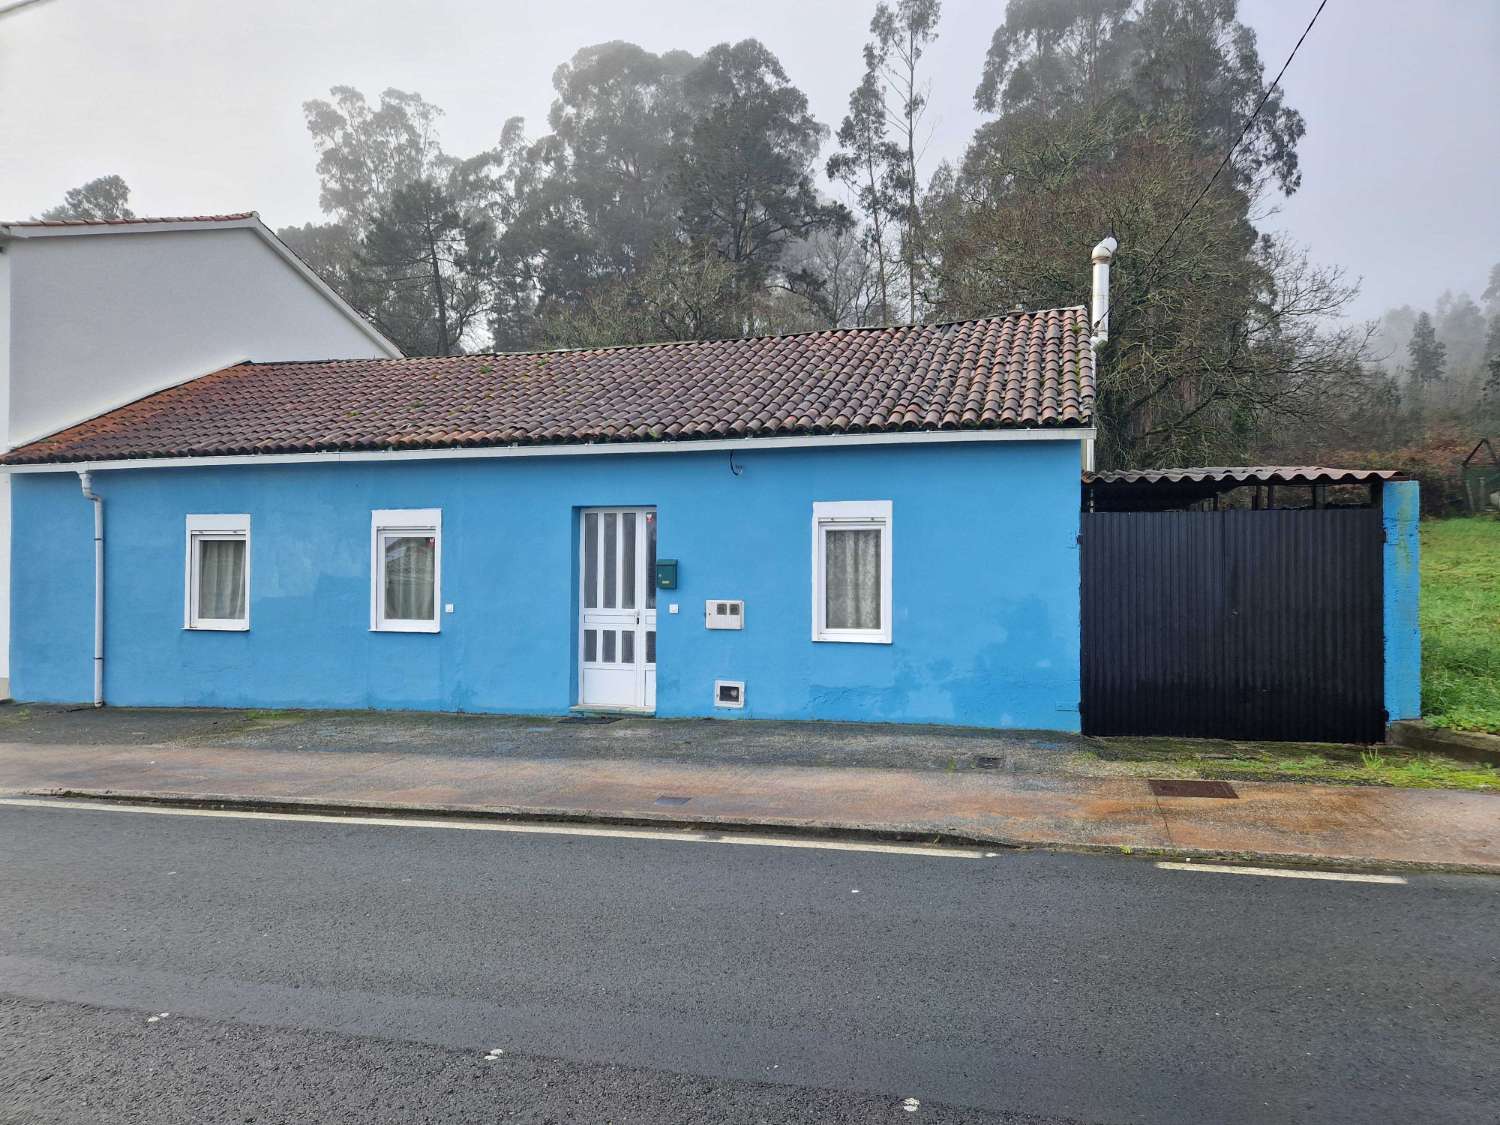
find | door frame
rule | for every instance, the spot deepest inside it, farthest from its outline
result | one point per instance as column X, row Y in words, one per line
column 645, row 614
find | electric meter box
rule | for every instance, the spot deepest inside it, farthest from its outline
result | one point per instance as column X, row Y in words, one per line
column 721, row 614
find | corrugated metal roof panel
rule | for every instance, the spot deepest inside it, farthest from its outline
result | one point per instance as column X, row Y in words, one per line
column 1245, row 474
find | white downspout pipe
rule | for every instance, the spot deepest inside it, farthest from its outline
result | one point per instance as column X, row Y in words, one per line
column 87, row 481
column 1103, row 254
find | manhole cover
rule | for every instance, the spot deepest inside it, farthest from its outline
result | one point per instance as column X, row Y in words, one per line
column 591, row 720
column 664, row 799
column 1192, row 788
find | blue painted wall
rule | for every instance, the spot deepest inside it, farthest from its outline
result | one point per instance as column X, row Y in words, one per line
column 1402, row 508
column 985, row 572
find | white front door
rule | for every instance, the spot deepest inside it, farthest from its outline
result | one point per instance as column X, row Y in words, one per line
column 617, row 608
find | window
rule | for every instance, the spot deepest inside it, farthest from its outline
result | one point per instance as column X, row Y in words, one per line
column 217, row 579
column 852, row 571
column 406, row 570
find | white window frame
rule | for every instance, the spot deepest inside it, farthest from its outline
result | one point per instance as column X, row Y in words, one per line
column 405, row 521
column 202, row 529
column 851, row 515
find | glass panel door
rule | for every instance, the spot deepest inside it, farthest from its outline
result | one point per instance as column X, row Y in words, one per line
column 617, row 608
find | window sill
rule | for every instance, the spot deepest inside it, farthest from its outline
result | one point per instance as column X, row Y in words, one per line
column 415, row 627
column 211, row 627
column 852, row 638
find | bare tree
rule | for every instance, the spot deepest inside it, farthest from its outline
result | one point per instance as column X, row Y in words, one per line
column 1210, row 344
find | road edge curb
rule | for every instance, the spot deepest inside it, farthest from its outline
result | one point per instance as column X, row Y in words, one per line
column 933, row 836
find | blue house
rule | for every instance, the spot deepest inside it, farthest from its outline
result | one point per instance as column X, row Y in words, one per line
column 862, row 524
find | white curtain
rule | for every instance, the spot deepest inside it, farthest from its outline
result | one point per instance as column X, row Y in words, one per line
column 410, row 562
column 221, row 579
column 851, row 578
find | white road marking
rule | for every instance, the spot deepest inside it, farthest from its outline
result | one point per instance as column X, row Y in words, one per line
column 691, row 836
column 1284, row 873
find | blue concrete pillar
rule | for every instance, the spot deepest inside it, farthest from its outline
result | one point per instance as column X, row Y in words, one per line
column 1403, row 632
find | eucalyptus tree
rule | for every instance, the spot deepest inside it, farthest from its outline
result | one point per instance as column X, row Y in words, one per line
column 1189, row 62
column 903, row 32
column 869, row 163
column 411, row 233
column 744, row 167
column 594, row 196
column 366, row 154
column 616, row 118
column 107, row 197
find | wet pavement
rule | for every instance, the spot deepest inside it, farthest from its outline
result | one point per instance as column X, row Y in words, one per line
column 724, row 742
column 1007, row 788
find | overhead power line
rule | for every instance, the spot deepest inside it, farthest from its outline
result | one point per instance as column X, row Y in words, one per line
column 1228, row 156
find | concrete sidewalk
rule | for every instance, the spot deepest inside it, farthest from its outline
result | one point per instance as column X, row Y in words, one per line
column 1286, row 822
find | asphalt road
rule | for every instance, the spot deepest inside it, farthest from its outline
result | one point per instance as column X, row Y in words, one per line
column 344, row 972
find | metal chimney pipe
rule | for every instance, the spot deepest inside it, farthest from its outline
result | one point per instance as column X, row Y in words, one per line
column 1099, row 316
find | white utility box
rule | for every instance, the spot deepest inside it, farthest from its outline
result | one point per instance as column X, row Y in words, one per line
column 721, row 614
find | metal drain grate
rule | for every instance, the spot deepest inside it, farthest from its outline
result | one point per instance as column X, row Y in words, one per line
column 591, row 720
column 1163, row 788
column 664, row 799
column 987, row 762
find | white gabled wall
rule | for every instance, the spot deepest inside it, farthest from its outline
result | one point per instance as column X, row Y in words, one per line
column 100, row 320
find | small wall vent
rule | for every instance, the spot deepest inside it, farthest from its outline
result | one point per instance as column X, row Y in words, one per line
column 729, row 693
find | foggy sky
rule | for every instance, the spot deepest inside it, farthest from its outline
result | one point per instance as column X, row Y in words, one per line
column 197, row 103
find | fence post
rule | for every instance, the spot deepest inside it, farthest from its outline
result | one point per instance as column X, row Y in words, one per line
column 1401, row 508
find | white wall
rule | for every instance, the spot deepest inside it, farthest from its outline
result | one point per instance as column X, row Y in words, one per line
column 89, row 322
column 99, row 320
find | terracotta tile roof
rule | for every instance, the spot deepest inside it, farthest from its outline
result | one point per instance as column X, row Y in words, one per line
column 1025, row 369
column 239, row 216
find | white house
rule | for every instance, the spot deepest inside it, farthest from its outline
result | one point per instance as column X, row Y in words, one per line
column 97, row 314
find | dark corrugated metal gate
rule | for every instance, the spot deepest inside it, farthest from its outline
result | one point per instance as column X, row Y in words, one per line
column 1234, row 624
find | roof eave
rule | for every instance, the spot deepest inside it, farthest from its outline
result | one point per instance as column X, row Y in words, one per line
column 76, row 230
column 1050, row 432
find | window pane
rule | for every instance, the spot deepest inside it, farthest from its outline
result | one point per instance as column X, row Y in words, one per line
column 590, row 560
column 627, row 560
column 851, row 577
column 590, row 645
column 610, row 555
column 627, row 646
column 410, row 567
column 650, row 560
column 609, row 646
column 221, row 579
column 650, row 646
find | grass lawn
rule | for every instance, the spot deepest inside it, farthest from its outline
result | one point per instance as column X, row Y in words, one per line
column 1461, row 624
column 1327, row 763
